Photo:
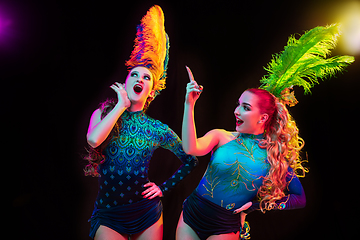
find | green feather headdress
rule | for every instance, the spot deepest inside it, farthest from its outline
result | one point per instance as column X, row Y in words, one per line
column 303, row 62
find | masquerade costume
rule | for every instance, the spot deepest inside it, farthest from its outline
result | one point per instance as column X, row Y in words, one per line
column 234, row 175
column 236, row 169
column 125, row 171
column 120, row 204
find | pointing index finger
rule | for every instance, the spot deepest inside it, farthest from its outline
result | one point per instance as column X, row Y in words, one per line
column 191, row 76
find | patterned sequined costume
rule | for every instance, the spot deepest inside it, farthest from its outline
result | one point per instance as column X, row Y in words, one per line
column 235, row 172
column 125, row 170
column 233, row 177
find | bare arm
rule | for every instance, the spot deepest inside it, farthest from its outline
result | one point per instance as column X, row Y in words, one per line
column 99, row 129
column 191, row 144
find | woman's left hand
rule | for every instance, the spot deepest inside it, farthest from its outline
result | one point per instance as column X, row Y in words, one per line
column 242, row 214
column 152, row 192
column 243, row 208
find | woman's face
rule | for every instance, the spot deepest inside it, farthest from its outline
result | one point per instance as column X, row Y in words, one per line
column 248, row 117
column 139, row 84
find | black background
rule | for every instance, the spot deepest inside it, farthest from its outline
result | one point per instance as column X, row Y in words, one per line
column 58, row 59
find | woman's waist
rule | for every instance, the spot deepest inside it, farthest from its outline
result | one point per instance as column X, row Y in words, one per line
column 126, row 183
column 226, row 198
column 126, row 202
column 111, row 196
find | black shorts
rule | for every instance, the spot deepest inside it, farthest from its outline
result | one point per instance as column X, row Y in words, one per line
column 207, row 218
column 127, row 219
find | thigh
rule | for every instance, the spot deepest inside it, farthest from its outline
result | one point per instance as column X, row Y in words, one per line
column 184, row 231
column 106, row 233
column 154, row 232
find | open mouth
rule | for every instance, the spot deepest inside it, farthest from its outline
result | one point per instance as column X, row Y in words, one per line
column 138, row 88
column 239, row 121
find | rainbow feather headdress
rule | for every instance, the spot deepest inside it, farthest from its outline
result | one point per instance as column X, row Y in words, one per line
column 151, row 47
column 302, row 62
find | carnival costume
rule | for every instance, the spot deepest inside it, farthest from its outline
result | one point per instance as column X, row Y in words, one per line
column 233, row 176
column 236, row 169
column 124, row 170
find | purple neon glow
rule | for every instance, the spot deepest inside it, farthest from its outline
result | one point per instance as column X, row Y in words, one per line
column 5, row 27
column 4, row 24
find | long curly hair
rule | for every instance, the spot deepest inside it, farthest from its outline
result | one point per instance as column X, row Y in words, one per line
column 283, row 145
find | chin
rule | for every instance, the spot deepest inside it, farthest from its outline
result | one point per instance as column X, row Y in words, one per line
column 239, row 129
column 137, row 98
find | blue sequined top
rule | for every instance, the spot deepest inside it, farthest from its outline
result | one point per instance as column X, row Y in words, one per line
column 235, row 172
column 127, row 158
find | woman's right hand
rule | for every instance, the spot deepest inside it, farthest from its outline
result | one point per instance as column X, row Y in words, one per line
column 193, row 90
column 122, row 95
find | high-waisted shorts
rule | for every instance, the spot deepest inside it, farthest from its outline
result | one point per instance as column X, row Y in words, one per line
column 127, row 219
column 207, row 218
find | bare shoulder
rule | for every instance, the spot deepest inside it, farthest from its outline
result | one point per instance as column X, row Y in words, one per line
column 234, row 134
column 223, row 136
column 219, row 132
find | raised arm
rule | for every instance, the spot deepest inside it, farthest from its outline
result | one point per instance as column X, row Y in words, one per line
column 99, row 129
column 191, row 144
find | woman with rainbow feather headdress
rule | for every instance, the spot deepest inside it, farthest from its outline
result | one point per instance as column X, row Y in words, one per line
column 260, row 160
column 123, row 138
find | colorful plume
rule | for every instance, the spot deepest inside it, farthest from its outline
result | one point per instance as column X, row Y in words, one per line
column 151, row 47
column 302, row 62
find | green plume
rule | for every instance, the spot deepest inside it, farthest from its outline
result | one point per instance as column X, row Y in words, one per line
column 304, row 61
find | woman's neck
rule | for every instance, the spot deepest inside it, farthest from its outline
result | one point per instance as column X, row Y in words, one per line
column 135, row 107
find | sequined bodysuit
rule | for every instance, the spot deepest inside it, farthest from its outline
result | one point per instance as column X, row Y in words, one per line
column 127, row 158
column 235, row 172
column 233, row 177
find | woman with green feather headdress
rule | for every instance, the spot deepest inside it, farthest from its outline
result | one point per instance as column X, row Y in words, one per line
column 260, row 160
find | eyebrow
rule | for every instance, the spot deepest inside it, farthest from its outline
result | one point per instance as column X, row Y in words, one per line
column 145, row 74
column 247, row 104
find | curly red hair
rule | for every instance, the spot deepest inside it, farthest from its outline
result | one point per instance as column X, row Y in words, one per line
column 283, row 145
